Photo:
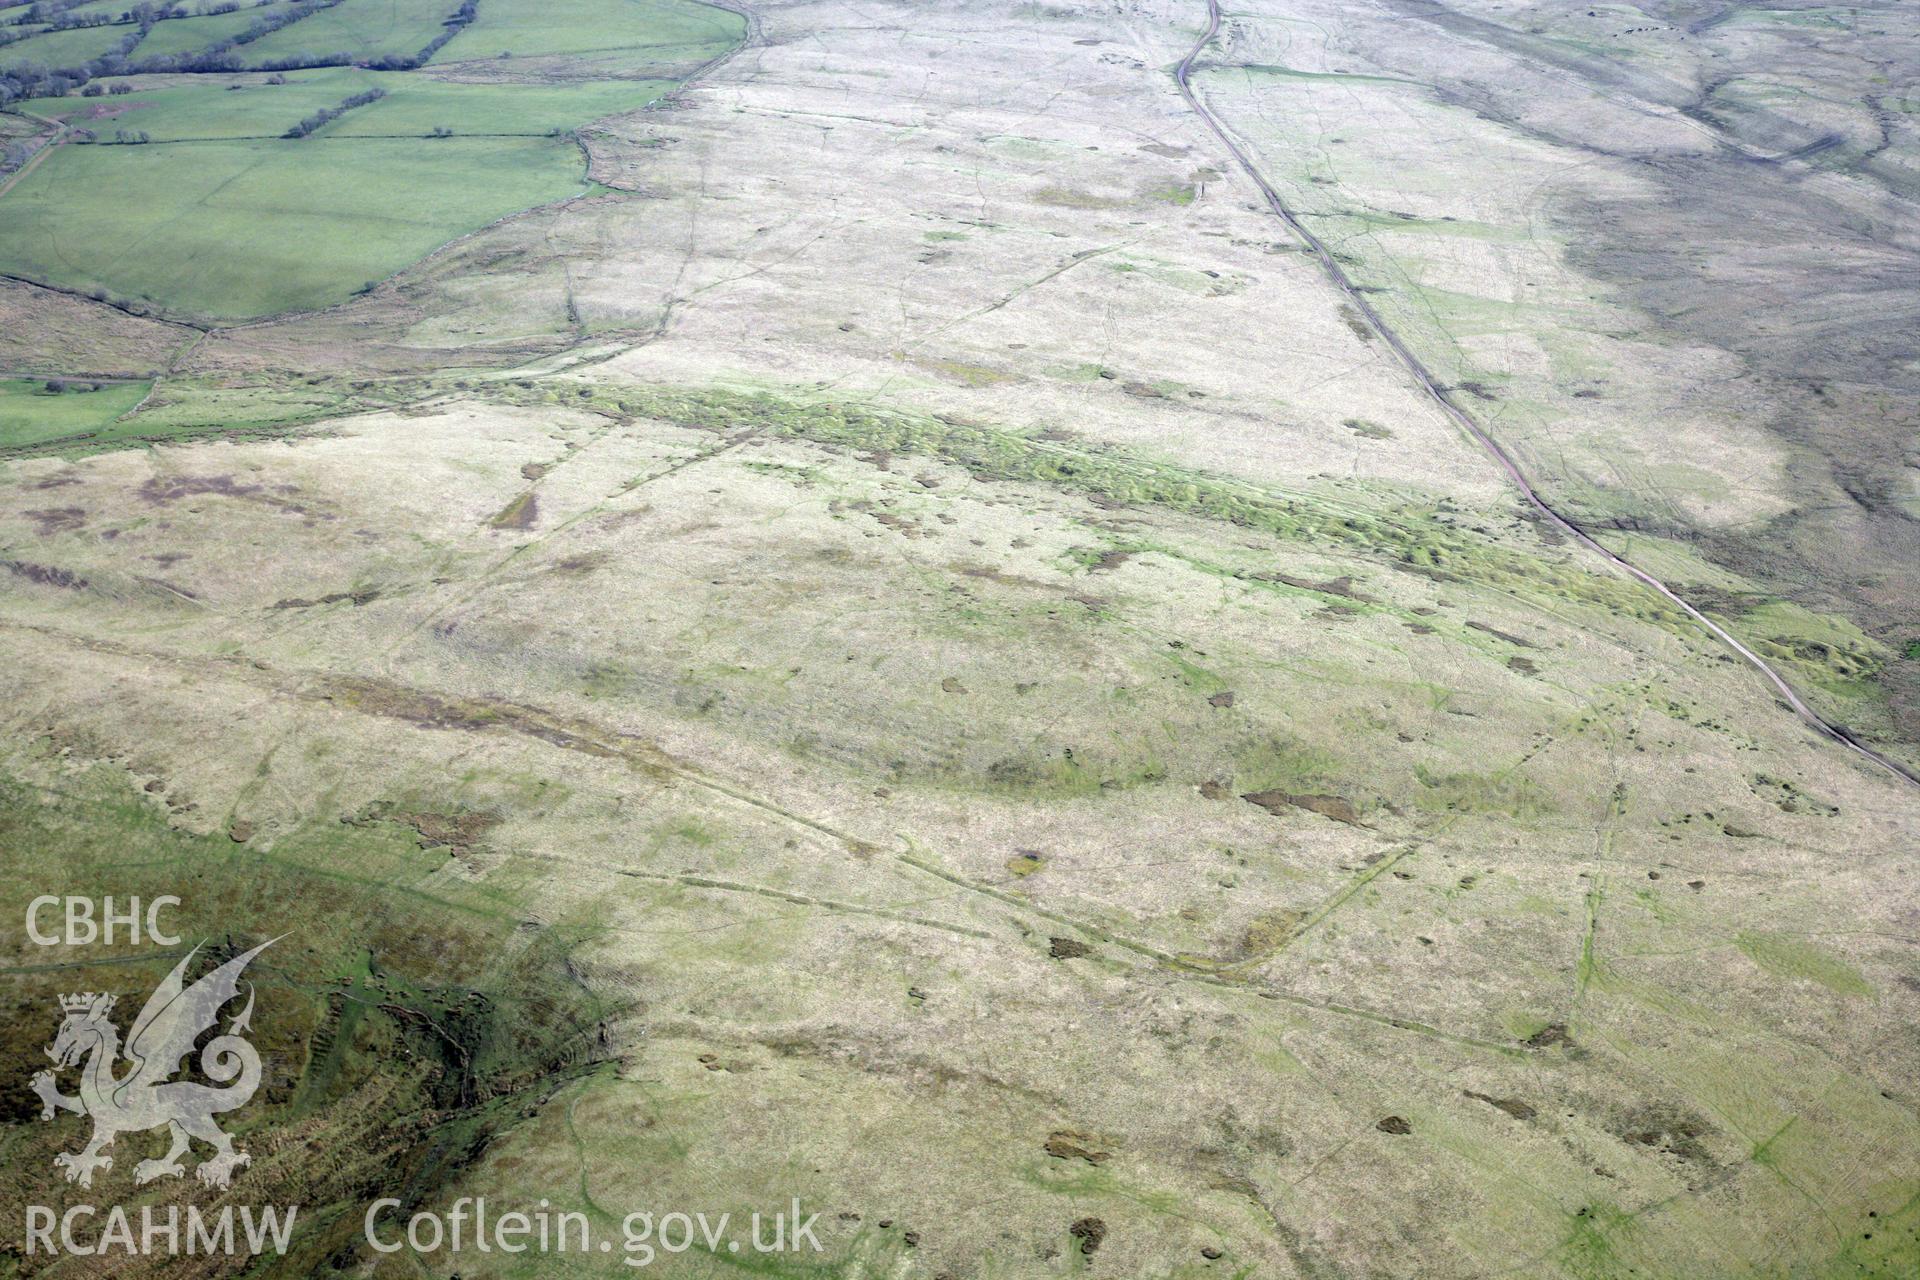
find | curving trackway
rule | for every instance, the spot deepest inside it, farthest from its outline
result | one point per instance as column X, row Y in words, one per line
column 1182, row 74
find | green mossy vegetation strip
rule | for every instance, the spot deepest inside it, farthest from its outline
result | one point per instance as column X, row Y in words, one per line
column 79, row 423
column 1417, row 537
column 1425, row 539
column 31, row 414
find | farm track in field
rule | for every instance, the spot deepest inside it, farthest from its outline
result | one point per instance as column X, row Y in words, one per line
column 33, row 161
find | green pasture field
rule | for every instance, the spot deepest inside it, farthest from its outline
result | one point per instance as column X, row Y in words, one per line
column 111, row 8
column 218, row 216
column 361, row 29
column 189, row 35
column 63, row 48
column 239, row 229
column 417, row 104
column 204, row 108
column 30, row 414
column 657, row 30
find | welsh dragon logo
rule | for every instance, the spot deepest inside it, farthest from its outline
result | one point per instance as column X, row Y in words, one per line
column 145, row 1095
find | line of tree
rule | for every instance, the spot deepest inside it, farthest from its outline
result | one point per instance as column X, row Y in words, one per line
column 76, row 21
column 45, row 11
column 327, row 115
column 62, row 20
column 37, row 80
column 34, row 80
column 220, row 56
column 450, row 27
column 55, row 16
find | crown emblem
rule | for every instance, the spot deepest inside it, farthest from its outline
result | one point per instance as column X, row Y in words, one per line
column 172, row 1026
